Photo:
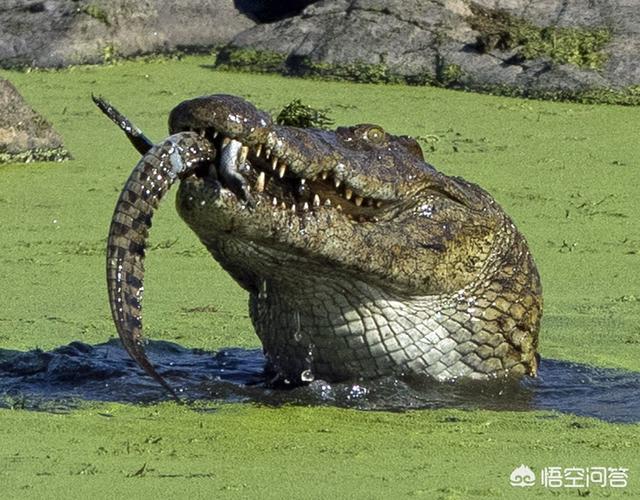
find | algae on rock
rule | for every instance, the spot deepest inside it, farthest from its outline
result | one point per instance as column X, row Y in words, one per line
column 25, row 136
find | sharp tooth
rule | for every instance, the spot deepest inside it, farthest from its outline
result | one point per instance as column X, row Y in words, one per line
column 324, row 175
column 274, row 163
column 274, row 202
column 358, row 200
column 327, row 202
column 348, row 193
column 339, row 207
column 316, row 201
column 293, row 207
column 305, row 207
column 283, row 205
column 267, row 153
column 244, row 151
column 337, row 183
column 215, row 134
column 258, row 150
column 282, row 170
column 302, row 181
column 260, row 183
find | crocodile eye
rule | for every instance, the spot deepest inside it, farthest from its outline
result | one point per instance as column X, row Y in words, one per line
column 374, row 135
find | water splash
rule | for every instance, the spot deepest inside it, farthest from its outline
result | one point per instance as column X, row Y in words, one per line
column 80, row 372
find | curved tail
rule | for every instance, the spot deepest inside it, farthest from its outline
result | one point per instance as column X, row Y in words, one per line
column 178, row 156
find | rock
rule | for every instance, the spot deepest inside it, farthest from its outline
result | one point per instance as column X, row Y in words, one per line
column 546, row 48
column 24, row 134
column 55, row 33
column 532, row 48
column 267, row 11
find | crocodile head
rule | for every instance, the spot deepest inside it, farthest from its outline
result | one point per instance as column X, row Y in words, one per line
column 360, row 258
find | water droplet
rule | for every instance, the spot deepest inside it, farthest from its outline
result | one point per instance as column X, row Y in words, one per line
column 357, row 391
column 307, row 376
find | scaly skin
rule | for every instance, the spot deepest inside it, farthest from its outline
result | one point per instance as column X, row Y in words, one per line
column 360, row 259
column 159, row 168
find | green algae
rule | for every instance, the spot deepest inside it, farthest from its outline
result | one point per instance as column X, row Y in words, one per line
column 567, row 173
column 498, row 29
column 116, row 451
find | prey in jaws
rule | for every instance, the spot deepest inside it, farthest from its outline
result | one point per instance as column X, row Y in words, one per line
column 360, row 259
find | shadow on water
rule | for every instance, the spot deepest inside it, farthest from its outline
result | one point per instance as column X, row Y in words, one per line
column 66, row 376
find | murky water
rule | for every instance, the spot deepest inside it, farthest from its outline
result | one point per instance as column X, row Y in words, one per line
column 68, row 375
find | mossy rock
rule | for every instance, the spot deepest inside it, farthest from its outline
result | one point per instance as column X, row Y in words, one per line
column 24, row 134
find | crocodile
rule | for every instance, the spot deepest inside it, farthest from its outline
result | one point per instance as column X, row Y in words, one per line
column 360, row 259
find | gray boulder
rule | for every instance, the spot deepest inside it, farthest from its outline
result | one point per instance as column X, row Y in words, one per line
column 481, row 44
column 24, row 134
column 55, row 33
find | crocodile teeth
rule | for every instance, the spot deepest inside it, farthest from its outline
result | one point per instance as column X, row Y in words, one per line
column 215, row 134
column 258, row 150
column 283, row 205
column 244, row 151
column 316, row 201
column 303, row 181
column 305, row 207
column 282, row 170
column 348, row 193
column 339, row 207
column 293, row 207
column 327, row 203
column 324, row 175
column 267, row 153
column 274, row 202
column 274, row 163
column 260, row 183
column 337, row 183
column 358, row 200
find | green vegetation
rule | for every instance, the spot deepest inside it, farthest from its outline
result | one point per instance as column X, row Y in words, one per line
column 232, row 58
column 448, row 76
column 498, row 29
column 252, row 60
column 567, row 173
column 629, row 96
column 354, row 72
column 97, row 12
column 296, row 114
column 109, row 54
column 55, row 154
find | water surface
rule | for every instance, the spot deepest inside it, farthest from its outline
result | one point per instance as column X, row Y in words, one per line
column 77, row 372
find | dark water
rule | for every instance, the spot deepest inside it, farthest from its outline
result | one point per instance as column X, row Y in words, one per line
column 65, row 377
